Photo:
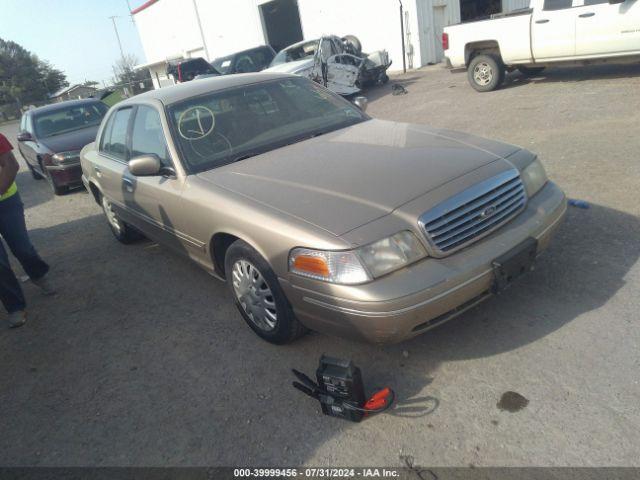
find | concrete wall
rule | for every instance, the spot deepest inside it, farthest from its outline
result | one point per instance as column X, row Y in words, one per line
column 375, row 22
column 230, row 26
column 168, row 28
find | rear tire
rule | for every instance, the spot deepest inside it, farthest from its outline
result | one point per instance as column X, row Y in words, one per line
column 258, row 295
column 123, row 232
column 57, row 190
column 530, row 71
column 486, row 72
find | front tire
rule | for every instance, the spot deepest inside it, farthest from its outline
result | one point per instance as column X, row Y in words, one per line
column 486, row 73
column 258, row 295
column 123, row 232
column 56, row 189
column 34, row 173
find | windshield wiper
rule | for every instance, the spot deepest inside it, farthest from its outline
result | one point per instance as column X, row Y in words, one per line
column 245, row 156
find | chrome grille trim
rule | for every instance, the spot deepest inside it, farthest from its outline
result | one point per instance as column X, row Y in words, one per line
column 462, row 219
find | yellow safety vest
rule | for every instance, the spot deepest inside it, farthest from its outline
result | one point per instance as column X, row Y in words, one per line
column 13, row 189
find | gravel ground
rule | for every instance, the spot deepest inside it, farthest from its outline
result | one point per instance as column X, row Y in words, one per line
column 141, row 359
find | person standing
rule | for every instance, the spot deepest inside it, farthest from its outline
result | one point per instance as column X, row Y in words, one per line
column 13, row 230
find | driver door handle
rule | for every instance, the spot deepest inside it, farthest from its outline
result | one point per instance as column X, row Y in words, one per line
column 587, row 15
column 544, row 20
column 128, row 184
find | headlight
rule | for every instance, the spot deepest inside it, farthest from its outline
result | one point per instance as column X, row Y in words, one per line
column 64, row 158
column 534, row 177
column 360, row 265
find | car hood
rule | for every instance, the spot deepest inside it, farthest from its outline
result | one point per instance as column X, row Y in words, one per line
column 292, row 67
column 344, row 179
column 71, row 140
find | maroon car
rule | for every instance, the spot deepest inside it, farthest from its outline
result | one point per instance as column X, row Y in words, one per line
column 51, row 137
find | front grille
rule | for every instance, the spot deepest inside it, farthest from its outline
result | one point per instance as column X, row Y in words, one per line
column 474, row 213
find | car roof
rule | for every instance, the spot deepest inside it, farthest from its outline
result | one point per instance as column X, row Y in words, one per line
column 184, row 91
column 63, row 105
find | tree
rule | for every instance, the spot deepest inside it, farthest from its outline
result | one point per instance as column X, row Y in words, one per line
column 24, row 78
column 125, row 74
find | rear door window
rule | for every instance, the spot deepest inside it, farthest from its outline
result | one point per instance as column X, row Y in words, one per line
column 114, row 140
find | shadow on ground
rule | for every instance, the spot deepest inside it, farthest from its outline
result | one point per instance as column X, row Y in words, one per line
column 142, row 359
column 574, row 74
column 36, row 192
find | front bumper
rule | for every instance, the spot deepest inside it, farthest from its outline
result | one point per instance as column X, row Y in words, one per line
column 66, row 175
column 433, row 290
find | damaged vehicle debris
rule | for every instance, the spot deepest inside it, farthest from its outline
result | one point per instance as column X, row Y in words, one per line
column 337, row 63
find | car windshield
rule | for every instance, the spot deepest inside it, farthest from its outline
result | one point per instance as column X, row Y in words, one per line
column 299, row 52
column 226, row 126
column 222, row 64
column 64, row 120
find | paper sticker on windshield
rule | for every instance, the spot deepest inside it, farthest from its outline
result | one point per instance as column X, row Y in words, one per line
column 196, row 123
column 226, row 63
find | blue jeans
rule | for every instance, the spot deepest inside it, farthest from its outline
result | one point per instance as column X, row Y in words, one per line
column 14, row 231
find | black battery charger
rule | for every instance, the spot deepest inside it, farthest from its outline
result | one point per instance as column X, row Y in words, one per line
column 340, row 390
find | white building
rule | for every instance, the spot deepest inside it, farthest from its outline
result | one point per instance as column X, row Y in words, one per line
column 171, row 29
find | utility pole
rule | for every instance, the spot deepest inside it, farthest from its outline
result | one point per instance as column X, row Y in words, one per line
column 133, row 20
column 204, row 44
column 124, row 62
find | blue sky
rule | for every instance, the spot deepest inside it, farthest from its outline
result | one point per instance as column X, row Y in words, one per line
column 75, row 36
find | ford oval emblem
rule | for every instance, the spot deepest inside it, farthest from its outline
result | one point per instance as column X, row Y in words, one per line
column 487, row 212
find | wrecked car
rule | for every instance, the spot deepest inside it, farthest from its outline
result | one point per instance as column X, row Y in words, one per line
column 334, row 62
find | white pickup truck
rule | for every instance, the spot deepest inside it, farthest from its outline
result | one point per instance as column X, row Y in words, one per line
column 549, row 32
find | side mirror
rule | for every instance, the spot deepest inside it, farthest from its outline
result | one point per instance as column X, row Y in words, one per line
column 145, row 166
column 361, row 103
column 24, row 137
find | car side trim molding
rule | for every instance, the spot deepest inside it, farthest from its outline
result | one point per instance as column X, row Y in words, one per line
column 182, row 236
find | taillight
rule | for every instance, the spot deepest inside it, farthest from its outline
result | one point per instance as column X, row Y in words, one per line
column 445, row 41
